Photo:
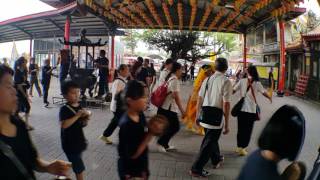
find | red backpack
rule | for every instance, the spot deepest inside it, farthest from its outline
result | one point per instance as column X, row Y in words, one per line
column 160, row 94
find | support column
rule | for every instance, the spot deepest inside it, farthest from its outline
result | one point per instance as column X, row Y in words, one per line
column 282, row 60
column 244, row 51
column 31, row 52
column 112, row 52
column 67, row 31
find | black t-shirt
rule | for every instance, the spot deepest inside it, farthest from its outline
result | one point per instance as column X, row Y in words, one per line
column 24, row 150
column 131, row 135
column 258, row 167
column 152, row 72
column 103, row 72
column 33, row 67
column 192, row 69
column 72, row 138
column 46, row 77
column 19, row 76
column 143, row 74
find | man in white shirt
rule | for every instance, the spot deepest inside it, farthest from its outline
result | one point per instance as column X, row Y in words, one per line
column 214, row 100
column 164, row 73
column 118, row 85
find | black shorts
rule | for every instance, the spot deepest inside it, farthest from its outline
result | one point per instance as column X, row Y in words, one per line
column 77, row 162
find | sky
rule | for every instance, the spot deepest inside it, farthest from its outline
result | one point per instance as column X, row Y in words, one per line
column 15, row 8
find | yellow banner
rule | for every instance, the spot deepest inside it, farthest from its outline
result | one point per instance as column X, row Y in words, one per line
column 264, row 72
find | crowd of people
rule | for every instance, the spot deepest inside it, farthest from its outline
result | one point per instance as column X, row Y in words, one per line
column 208, row 108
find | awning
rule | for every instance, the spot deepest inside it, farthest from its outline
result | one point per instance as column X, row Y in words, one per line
column 51, row 24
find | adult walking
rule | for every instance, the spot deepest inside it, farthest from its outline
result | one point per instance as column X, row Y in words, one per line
column 249, row 88
column 21, row 84
column 192, row 71
column 45, row 81
column 34, row 81
column 214, row 102
column 103, row 64
column 166, row 70
column 171, row 107
column 118, row 85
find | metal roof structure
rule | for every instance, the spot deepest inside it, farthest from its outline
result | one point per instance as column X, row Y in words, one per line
column 51, row 24
column 105, row 17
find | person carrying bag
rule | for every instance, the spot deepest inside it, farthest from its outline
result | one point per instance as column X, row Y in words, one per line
column 213, row 103
column 247, row 109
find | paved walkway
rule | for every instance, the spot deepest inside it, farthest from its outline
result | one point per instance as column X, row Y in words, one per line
column 101, row 159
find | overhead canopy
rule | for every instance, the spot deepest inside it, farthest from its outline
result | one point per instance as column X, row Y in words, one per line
column 204, row 15
column 51, row 24
column 105, row 17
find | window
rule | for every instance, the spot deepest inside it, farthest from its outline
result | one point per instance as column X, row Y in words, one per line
column 259, row 35
column 250, row 39
column 271, row 32
column 315, row 68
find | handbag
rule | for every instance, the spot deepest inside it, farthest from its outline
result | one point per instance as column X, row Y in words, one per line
column 258, row 110
column 160, row 94
column 237, row 107
column 210, row 115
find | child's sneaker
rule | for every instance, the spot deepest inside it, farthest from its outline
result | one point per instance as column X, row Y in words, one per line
column 105, row 139
column 238, row 150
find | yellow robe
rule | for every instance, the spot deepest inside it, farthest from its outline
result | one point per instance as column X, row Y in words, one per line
column 191, row 111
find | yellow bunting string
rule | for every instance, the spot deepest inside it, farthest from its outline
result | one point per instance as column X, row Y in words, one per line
column 153, row 11
column 180, row 14
column 167, row 14
column 205, row 17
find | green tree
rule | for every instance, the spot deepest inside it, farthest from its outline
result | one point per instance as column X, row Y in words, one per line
column 131, row 39
column 188, row 45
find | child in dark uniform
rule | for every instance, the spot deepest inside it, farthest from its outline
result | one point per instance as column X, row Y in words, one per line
column 46, row 78
column 73, row 118
column 134, row 136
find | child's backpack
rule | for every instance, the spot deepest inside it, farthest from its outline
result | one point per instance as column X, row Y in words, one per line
column 160, row 94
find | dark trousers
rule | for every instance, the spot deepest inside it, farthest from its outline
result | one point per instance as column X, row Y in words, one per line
column 103, row 87
column 45, row 89
column 209, row 149
column 245, row 126
column 112, row 125
column 23, row 104
column 172, row 129
column 64, row 70
column 34, row 81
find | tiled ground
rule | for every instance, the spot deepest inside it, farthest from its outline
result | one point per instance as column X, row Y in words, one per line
column 101, row 159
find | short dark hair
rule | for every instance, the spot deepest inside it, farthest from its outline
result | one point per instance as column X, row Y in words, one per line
column 4, row 70
column 103, row 52
column 67, row 85
column 140, row 59
column 253, row 72
column 169, row 61
column 221, row 64
column 284, row 133
column 134, row 90
column 122, row 67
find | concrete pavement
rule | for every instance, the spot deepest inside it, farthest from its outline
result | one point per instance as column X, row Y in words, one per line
column 101, row 159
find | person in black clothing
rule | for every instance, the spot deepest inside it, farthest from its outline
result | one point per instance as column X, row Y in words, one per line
column 34, row 70
column 73, row 118
column 133, row 139
column 136, row 68
column 282, row 138
column 14, row 133
column 21, row 84
column 103, row 64
column 144, row 75
column 192, row 72
column 153, row 76
column 45, row 81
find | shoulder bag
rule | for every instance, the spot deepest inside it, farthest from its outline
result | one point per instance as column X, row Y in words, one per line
column 210, row 115
column 7, row 151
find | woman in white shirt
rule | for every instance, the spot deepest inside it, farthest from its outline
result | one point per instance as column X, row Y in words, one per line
column 249, row 88
column 171, row 107
column 165, row 71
